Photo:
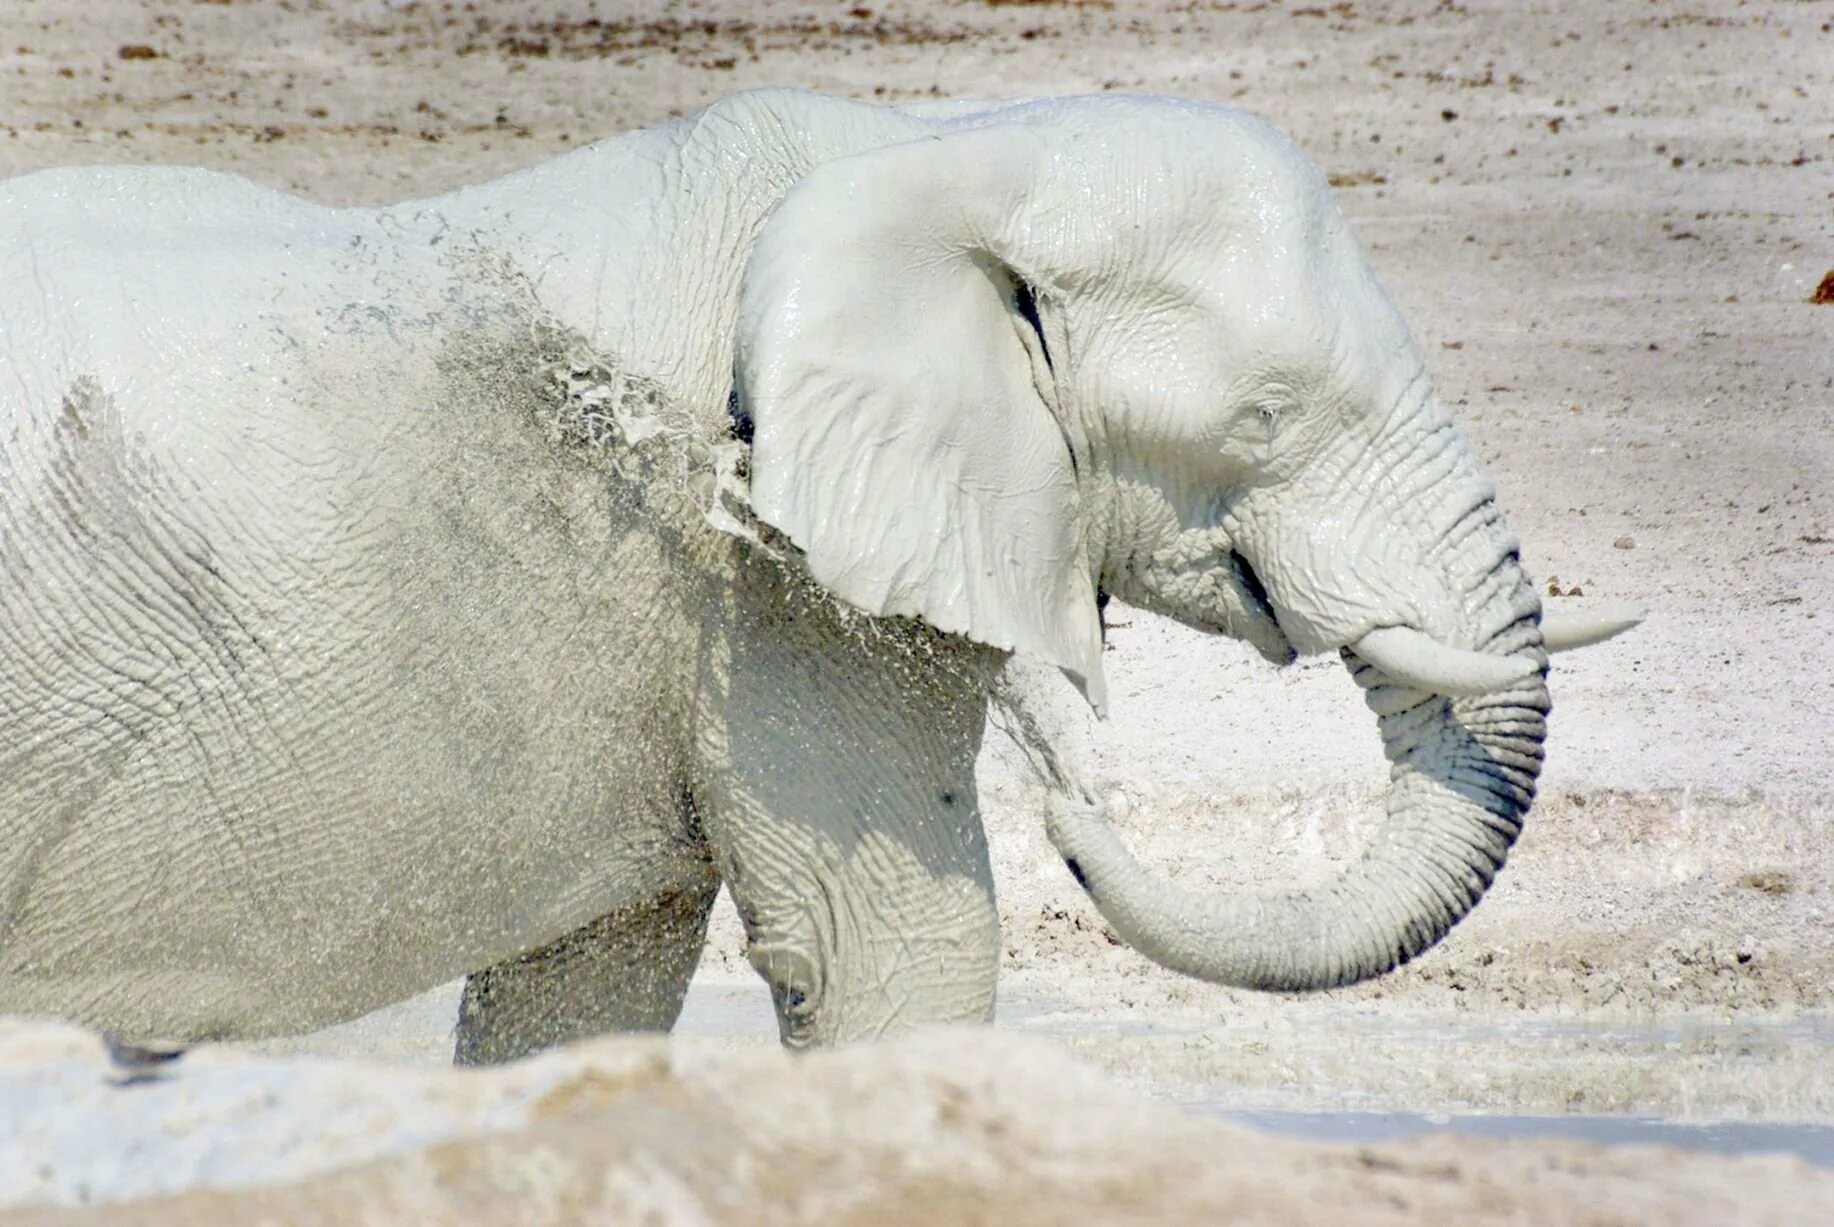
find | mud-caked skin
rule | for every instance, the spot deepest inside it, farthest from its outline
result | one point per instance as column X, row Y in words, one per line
column 472, row 585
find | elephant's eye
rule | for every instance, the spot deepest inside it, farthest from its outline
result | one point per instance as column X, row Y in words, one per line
column 1269, row 413
column 1249, row 433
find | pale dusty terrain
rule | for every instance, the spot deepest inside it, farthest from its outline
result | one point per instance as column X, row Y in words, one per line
column 1604, row 222
column 945, row 1127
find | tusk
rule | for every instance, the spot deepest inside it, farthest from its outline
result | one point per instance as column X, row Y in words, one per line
column 1566, row 631
column 1413, row 658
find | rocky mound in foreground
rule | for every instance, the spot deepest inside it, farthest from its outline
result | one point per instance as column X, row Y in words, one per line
column 953, row 1126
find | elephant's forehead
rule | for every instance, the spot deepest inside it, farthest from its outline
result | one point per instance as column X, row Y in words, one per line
column 1235, row 304
column 1221, row 209
column 1151, row 170
column 1216, row 245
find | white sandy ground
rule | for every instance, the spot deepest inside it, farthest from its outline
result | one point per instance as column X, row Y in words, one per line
column 1604, row 222
column 946, row 1127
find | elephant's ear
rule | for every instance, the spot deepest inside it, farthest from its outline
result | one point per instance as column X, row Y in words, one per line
column 902, row 438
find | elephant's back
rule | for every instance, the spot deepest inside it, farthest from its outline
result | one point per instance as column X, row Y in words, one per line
column 164, row 474
column 133, row 254
column 177, row 291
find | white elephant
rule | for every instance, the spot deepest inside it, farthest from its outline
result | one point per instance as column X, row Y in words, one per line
column 471, row 585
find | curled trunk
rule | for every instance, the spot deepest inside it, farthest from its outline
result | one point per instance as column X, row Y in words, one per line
column 1462, row 777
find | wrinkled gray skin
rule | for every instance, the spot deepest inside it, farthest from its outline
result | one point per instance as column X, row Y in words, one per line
column 362, row 622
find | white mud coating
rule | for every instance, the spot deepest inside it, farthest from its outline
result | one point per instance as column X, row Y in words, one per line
column 1604, row 226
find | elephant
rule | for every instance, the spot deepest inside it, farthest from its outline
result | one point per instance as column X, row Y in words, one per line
column 472, row 585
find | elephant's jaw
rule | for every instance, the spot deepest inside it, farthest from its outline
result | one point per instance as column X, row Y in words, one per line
column 1199, row 578
column 1388, row 610
column 1149, row 558
column 1407, row 656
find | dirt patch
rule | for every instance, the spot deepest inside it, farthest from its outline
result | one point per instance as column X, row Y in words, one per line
column 595, row 1090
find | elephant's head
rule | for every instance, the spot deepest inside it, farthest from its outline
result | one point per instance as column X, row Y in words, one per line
column 1130, row 346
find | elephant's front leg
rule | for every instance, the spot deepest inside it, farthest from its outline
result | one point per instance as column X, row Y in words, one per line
column 839, row 799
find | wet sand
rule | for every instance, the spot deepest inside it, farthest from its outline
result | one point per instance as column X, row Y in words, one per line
column 1604, row 223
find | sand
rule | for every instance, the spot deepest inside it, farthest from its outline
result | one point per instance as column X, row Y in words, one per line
column 1605, row 224
column 944, row 1127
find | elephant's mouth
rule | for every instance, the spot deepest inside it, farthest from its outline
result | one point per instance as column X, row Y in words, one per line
column 1403, row 654
column 1251, row 585
column 1271, row 641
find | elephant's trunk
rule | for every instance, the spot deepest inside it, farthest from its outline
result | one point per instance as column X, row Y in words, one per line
column 1462, row 777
